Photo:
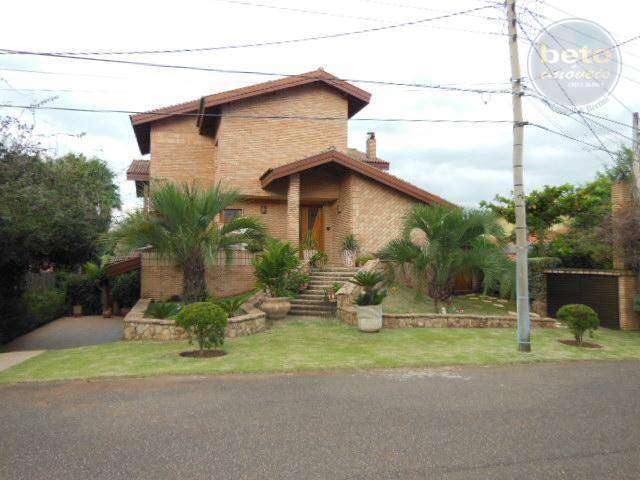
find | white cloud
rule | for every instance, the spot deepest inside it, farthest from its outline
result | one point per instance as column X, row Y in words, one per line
column 463, row 163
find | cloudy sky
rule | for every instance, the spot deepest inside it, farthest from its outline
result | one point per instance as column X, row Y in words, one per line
column 462, row 163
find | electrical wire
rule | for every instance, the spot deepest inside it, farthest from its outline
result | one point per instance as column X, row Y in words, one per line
column 274, row 42
column 261, row 117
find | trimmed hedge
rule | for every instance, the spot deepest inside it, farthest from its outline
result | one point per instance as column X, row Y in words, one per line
column 537, row 265
column 84, row 291
column 42, row 307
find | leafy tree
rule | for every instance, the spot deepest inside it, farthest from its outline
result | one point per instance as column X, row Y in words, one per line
column 545, row 208
column 183, row 227
column 458, row 240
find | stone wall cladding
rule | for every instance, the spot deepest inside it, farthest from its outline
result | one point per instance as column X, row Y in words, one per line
column 424, row 320
column 160, row 279
column 137, row 327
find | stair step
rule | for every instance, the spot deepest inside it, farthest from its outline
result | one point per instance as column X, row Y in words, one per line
column 319, row 305
column 310, row 296
column 311, row 313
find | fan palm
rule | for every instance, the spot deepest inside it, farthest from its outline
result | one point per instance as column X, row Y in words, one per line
column 458, row 240
column 182, row 227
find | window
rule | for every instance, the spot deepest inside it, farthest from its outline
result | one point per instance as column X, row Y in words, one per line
column 229, row 214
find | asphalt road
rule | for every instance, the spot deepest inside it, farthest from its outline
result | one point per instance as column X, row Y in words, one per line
column 566, row 421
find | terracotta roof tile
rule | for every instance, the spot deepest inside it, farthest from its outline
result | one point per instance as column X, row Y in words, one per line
column 138, row 170
column 363, row 168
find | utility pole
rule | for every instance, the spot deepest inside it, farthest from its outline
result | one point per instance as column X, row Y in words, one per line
column 636, row 157
column 522, row 277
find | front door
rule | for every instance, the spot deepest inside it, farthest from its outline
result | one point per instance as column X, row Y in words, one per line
column 312, row 221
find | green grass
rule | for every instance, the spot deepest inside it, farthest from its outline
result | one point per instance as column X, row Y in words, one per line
column 321, row 345
column 401, row 299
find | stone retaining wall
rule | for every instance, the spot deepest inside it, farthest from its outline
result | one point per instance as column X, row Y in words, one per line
column 137, row 327
column 348, row 315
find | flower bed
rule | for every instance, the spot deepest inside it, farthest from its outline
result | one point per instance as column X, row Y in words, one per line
column 137, row 327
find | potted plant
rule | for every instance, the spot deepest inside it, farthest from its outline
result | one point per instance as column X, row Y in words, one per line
column 309, row 247
column 349, row 251
column 369, row 303
column 273, row 268
column 330, row 294
column 319, row 260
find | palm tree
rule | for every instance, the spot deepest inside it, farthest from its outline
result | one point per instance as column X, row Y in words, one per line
column 182, row 227
column 458, row 240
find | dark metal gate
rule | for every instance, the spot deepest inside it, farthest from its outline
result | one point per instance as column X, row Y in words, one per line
column 600, row 292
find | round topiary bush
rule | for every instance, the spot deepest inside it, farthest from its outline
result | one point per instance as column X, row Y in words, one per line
column 579, row 318
column 206, row 321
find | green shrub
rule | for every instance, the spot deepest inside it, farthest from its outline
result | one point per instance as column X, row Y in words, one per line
column 295, row 281
column 371, row 283
column 82, row 290
column 274, row 266
column 636, row 304
column 363, row 259
column 44, row 306
column 537, row 265
column 580, row 319
column 206, row 321
column 125, row 289
column 319, row 260
column 309, row 243
column 350, row 244
column 162, row 310
column 232, row 305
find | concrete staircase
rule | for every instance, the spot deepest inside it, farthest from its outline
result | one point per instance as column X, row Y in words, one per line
column 311, row 301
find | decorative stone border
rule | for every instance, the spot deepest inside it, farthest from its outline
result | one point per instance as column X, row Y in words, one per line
column 137, row 327
column 451, row 320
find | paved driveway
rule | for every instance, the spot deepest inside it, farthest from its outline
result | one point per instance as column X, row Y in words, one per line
column 69, row 332
column 571, row 421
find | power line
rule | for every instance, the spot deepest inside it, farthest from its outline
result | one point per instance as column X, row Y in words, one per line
column 247, row 72
column 275, row 42
column 560, row 85
column 261, row 117
column 595, row 147
column 5, row 69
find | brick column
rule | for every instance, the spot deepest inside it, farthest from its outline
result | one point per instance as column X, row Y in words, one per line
column 621, row 198
column 629, row 319
column 293, row 210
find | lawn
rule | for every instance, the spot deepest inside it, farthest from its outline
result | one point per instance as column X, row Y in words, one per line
column 401, row 299
column 317, row 344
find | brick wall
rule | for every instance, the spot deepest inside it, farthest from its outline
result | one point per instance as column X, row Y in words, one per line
column 378, row 213
column 179, row 153
column 629, row 319
column 161, row 280
column 248, row 147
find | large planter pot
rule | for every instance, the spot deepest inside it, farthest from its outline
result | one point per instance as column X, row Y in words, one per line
column 276, row 307
column 369, row 318
column 349, row 258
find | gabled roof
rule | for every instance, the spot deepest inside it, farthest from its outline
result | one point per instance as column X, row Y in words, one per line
column 357, row 98
column 358, row 166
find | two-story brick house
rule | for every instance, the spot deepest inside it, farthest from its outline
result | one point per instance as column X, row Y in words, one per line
column 283, row 145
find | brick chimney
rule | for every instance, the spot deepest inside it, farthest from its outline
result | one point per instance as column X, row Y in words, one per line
column 371, row 146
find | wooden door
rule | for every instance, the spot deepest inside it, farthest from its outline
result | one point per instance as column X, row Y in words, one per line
column 312, row 220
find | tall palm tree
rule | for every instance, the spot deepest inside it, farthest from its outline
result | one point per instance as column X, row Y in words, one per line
column 182, row 227
column 458, row 240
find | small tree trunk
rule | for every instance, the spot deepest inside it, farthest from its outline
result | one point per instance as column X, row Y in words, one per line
column 194, row 284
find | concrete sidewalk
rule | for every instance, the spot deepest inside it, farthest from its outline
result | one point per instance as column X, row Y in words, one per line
column 9, row 359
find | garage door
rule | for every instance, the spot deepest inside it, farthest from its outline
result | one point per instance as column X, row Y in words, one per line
column 600, row 292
